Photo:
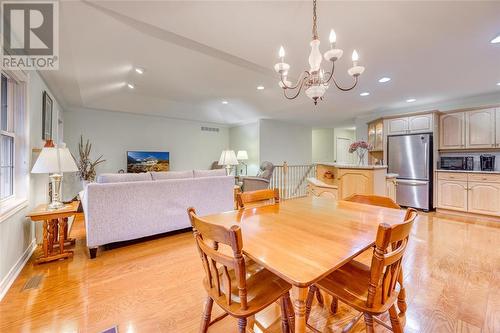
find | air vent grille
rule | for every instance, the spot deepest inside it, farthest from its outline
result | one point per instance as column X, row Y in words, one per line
column 33, row 282
column 209, row 129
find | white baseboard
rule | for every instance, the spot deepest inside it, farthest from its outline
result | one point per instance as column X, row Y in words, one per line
column 16, row 269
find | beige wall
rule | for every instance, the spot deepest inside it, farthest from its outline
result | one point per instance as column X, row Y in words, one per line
column 323, row 149
column 246, row 137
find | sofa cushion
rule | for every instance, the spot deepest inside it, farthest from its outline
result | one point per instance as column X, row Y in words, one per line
column 209, row 173
column 172, row 175
column 123, row 177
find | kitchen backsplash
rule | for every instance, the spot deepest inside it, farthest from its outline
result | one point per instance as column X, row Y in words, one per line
column 476, row 158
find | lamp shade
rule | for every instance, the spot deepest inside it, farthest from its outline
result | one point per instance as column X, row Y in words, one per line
column 228, row 157
column 54, row 160
column 242, row 155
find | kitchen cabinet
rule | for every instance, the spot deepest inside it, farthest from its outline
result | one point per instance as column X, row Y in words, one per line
column 376, row 134
column 484, row 198
column 480, row 129
column 390, row 186
column 497, row 126
column 477, row 193
column 452, row 130
column 452, row 194
column 421, row 123
column 397, row 126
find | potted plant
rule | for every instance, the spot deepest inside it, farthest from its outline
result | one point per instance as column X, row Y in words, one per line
column 360, row 147
column 86, row 167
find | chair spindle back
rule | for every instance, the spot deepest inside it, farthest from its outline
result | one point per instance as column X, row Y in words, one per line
column 216, row 264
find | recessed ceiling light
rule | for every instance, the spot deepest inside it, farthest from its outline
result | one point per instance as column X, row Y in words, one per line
column 498, row 83
column 139, row 70
column 495, row 40
column 410, row 100
column 384, row 79
column 225, row 102
column 364, row 94
column 260, row 87
column 130, row 85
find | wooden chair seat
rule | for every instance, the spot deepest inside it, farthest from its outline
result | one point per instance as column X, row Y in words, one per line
column 264, row 288
column 350, row 285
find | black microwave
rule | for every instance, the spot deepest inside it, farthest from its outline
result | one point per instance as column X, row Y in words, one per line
column 457, row 163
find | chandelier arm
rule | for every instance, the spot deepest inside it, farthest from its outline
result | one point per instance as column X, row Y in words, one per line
column 346, row 89
column 298, row 90
column 330, row 73
column 302, row 77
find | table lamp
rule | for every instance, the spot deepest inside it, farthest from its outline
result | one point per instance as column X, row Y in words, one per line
column 228, row 159
column 243, row 156
column 55, row 161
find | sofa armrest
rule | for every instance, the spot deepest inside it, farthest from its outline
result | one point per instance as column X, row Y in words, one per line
column 254, row 184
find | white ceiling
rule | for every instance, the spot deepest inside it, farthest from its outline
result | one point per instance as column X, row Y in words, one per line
column 197, row 54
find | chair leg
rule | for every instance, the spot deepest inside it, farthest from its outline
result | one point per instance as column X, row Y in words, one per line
column 251, row 322
column 284, row 316
column 335, row 305
column 310, row 297
column 395, row 323
column 402, row 294
column 290, row 311
column 207, row 314
column 319, row 298
column 369, row 323
column 242, row 325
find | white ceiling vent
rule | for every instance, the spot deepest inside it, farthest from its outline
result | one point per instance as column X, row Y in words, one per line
column 209, row 129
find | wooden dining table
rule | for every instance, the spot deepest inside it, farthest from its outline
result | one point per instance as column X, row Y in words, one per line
column 303, row 240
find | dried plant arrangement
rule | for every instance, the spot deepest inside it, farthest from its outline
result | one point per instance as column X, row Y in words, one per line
column 86, row 166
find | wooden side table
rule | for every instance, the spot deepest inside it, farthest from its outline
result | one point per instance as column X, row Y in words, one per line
column 55, row 230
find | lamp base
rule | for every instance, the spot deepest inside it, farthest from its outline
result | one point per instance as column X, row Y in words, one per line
column 55, row 181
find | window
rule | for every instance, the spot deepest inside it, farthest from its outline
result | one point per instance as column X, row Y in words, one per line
column 14, row 144
column 7, row 137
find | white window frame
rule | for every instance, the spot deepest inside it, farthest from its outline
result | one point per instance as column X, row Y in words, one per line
column 19, row 132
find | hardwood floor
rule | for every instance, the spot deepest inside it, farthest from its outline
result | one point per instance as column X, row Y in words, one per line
column 452, row 277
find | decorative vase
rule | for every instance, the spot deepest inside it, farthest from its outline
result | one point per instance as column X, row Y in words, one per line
column 361, row 155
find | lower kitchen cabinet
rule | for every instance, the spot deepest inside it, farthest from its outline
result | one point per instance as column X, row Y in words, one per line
column 477, row 193
column 452, row 195
column 484, row 198
column 390, row 188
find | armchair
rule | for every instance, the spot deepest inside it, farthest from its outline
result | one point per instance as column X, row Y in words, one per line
column 259, row 182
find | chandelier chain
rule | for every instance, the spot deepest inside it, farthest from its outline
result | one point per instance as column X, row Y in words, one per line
column 315, row 19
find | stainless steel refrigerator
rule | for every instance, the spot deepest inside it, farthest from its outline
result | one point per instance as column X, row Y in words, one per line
column 410, row 156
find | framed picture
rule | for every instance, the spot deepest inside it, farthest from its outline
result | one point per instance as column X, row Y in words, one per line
column 46, row 117
column 144, row 161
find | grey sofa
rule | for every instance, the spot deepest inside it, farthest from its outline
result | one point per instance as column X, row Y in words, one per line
column 259, row 182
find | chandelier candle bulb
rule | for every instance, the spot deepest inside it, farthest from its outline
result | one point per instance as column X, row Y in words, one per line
column 355, row 58
column 281, row 54
column 332, row 38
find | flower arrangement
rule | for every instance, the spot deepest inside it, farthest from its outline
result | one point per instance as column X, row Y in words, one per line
column 360, row 147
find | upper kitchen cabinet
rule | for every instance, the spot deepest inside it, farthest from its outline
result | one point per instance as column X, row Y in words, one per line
column 497, row 125
column 452, row 130
column 397, row 126
column 480, row 129
column 470, row 129
column 421, row 123
column 376, row 140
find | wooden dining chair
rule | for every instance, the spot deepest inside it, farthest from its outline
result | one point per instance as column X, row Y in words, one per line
column 241, row 293
column 381, row 201
column 257, row 198
column 371, row 290
column 374, row 200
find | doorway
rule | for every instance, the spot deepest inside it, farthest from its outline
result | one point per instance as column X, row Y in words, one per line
column 342, row 151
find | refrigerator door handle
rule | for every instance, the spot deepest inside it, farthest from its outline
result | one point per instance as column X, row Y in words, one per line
column 426, row 149
column 412, row 182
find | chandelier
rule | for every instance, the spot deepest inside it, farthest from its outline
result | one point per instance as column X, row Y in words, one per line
column 315, row 81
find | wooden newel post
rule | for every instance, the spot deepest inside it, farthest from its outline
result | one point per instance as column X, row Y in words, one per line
column 285, row 181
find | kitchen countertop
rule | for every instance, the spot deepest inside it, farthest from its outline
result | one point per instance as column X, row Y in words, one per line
column 391, row 175
column 317, row 182
column 468, row 171
column 354, row 166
